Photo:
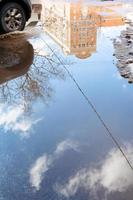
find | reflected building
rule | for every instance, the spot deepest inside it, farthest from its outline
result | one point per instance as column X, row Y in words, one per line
column 83, row 31
column 73, row 24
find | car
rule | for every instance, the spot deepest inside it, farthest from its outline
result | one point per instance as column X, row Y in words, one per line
column 14, row 14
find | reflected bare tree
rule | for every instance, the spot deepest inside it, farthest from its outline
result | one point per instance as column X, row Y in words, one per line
column 24, row 74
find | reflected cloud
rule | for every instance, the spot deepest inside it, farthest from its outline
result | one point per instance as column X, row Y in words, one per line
column 14, row 119
column 64, row 146
column 44, row 162
column 39, row 168
column 113, row 175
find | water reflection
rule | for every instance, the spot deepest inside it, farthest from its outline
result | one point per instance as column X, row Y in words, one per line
column 45, row 162
column 15, row 61
column 69, row 156
column 73, row 25
column 124, row 53
column 35, row 71
column 24, row 78
column 110, row 176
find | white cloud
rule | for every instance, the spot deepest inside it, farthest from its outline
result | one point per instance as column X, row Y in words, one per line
column 23, row 126
column 64, row 146
column 12, row 118
column 38, row 169
column 43, row 163
column 9, row 116
column 114, row 175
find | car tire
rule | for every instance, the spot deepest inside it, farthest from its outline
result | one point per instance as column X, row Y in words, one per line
column 12, row 18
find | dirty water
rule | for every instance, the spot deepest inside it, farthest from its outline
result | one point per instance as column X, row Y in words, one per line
column 52, row 144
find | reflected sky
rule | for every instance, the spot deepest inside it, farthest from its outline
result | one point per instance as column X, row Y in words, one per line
column 111, row 176
column 52, row 146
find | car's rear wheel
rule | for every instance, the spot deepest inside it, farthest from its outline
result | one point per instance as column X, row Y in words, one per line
column 12, row 18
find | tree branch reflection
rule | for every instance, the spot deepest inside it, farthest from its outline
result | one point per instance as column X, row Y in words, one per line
column 25, row 74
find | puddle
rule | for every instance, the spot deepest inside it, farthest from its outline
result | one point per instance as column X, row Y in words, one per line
column 52, row 143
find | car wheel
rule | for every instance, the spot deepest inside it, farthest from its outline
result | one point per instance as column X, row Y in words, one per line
column 12, row 18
